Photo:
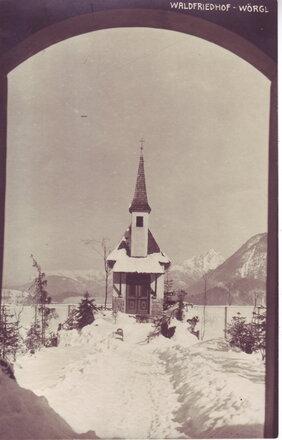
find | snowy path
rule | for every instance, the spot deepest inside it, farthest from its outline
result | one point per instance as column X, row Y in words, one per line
column 164, row 389
column 122, row 391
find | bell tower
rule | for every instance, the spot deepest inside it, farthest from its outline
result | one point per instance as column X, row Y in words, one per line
column 140, row 211
column 137, row 262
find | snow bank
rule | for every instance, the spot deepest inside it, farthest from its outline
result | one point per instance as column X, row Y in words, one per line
column 23, row 415
column 222, row 391
column 182, row 336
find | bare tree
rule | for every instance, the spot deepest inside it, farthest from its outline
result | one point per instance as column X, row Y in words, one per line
column 102, row 248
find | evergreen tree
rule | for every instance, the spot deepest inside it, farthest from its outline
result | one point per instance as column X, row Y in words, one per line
column 85, row 314
column 33, row 338
column 40, row 299
column 259, row 329
column 10, row 339
column 249, row 337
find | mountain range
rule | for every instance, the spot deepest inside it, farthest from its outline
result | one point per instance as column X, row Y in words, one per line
column 194, row 268
column 239, row 280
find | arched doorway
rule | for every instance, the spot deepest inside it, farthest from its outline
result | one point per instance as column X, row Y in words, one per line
column 197, row 27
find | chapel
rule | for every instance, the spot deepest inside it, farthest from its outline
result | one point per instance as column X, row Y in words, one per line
column 137, row 262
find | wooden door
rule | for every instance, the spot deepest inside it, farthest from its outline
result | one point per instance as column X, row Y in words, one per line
column 137, row 294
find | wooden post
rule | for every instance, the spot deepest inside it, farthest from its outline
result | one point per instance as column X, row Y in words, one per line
column 3, row 140
column 225, row 322
column 271, row 394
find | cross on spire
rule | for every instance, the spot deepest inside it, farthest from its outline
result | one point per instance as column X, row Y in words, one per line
column 141, row 142
column 140, row 201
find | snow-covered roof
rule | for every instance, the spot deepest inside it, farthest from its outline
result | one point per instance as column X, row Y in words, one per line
column 121, row 260
column 153, row 263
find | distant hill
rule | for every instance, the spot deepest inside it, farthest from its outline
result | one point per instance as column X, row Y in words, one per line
column 69, row 286
column 238, row 280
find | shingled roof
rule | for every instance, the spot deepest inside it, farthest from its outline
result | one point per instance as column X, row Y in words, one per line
column 125, row 243
column 120, row 258
column 140, row 201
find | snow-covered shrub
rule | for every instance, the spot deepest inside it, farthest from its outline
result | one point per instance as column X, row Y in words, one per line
column 239, row 334
column 51, row 340
column 161, row 326
column 192, row 323
column 249, row 337
column 85, row 314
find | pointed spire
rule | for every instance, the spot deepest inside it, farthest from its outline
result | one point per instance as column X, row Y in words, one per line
column 140, row 201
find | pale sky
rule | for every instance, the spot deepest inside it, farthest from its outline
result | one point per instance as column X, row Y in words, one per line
column 203, row 113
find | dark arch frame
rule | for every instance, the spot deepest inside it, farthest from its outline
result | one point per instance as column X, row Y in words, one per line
column 189, row 24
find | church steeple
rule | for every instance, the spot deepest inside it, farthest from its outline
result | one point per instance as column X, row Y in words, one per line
column 140, row 201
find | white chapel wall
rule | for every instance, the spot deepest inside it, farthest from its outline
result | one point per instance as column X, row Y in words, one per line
column 139, row 235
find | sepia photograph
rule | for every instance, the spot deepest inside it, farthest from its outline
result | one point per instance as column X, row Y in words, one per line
column 137, row 231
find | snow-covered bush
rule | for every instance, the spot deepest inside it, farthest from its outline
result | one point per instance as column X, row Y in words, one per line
column 161, row 327
column 192, row 323
column 249, row 337
column 85, row 314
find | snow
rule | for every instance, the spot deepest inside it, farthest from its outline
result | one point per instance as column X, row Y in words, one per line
column 167, row 388
column 26, row 315
column 23, row 415
column 13, row 296
column 223, row 394
column 153, row 263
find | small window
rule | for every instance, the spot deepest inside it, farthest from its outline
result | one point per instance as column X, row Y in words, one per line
column 139, row 221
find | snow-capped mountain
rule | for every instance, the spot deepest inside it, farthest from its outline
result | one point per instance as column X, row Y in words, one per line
column 240, row 279
column 197, row 266
column 194, row 268
column 248, row 262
